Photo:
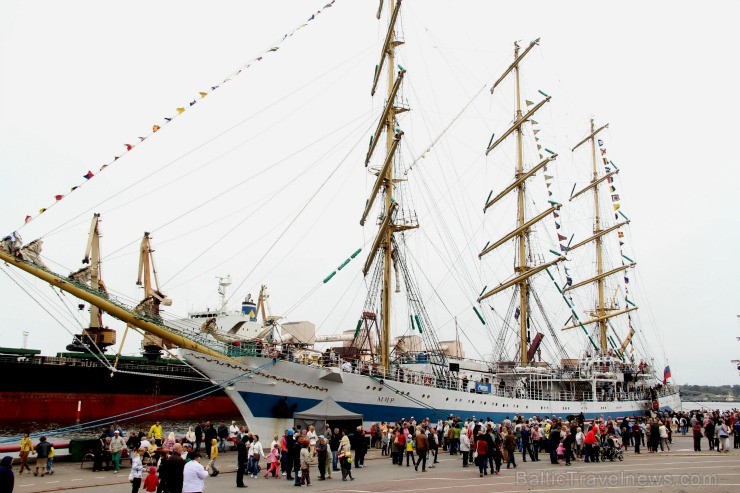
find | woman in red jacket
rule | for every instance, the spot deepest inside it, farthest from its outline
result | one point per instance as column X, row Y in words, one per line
column 481, row 448
column 590, row 442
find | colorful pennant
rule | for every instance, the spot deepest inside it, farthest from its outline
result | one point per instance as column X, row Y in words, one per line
column 180, row 110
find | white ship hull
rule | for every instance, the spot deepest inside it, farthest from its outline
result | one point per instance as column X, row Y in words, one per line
column 258, row 396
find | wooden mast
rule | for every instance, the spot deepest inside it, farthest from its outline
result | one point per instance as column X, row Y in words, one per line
column 522, row 238
column 385, row 345
column 521, row 233
column 602, row 312
column 600, row 308
column 384, row 239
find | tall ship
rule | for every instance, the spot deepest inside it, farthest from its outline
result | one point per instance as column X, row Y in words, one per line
column 385, row 372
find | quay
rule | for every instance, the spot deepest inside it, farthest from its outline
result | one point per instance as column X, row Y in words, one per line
column 681, row 469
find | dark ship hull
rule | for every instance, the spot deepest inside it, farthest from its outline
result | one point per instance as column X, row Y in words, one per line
column 70, row 387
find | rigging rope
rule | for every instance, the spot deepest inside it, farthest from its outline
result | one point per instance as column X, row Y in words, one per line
column 130, row 147
column 204, row 143
column 74, row 336
column 443, row 132
column 305, row 206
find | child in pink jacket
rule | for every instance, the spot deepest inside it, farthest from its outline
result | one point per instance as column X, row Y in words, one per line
column 273, row 458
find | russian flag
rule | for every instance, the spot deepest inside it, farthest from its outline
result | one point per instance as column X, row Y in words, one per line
column 666, row 374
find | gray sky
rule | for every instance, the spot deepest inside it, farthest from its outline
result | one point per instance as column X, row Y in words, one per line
column 81, row 79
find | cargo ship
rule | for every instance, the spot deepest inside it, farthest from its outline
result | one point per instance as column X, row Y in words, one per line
column 68, row 387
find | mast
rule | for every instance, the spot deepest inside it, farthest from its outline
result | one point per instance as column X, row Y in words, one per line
column 384, row 240
column 602, row 311
column 522, row 240
column 385, row 333
column 521, row 233
column 600, row 308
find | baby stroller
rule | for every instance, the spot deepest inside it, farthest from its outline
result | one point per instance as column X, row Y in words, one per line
column 612, row 449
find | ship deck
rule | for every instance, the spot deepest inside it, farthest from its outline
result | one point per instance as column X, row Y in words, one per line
column 555, row 386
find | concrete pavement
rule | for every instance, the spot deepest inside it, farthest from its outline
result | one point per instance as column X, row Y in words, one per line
column 678, row 470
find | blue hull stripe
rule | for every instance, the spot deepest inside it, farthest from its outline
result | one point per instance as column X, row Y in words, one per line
column 264, row 406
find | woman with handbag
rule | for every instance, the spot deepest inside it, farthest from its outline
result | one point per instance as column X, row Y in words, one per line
column 345, row 457
column 255, row 453
column 26, row 449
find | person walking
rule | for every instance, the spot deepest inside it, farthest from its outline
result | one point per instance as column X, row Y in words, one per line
column 26, row 450
column 223, row 435
column 256, row 452
column 273, row 459
column 312, row 438
column 50, row 461
column 590, row 442
column 654, row 440
column 345, row 457
column 637, row 433
column 358, row 441
column 42, row 454
column 510, row 446
column 409, row 448
column 305, row 455
column 579, row 442
column 117, row 444
column 209, row 434
column 242, row 454
column 709, row 432
column 321, row 456
column 535, row 439
column 526, row 435
column 198, row 436
column 295, row 460
column 193, row 474
column 663, row 434
column 696, row 431
column 568, row 443
column 214, row 456
column 137, row 470
column 334, row 445
column 481, row 450
column 465, row 448
column 553, row 441
column 175, row 468
column 7, row 480
column 422, row 449
column 723, row 433
column 155, row 433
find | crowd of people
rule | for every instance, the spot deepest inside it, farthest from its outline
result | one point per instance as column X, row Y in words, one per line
column 175, row 465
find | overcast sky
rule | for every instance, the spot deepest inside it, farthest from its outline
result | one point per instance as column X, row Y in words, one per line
column 79, row 80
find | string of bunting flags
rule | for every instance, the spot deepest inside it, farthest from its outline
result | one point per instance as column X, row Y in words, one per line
column 549, row 177
column 129, row 147
column 609, row 166
column 563, row 240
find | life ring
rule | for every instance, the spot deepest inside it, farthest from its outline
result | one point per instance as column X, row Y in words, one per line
column 427, row 380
